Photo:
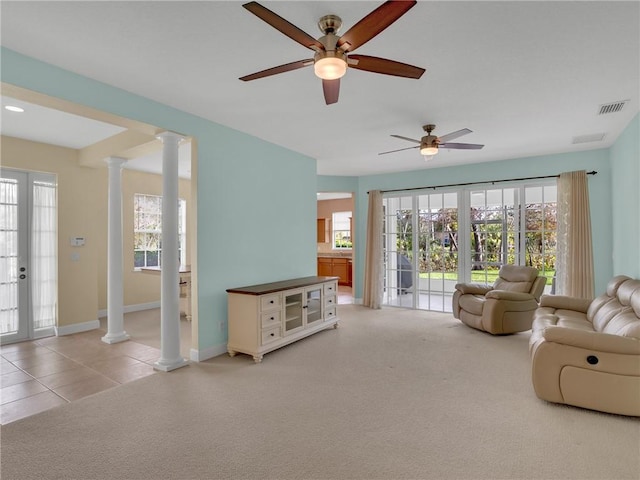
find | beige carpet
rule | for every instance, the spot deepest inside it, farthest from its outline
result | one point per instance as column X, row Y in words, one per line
column 391, row 394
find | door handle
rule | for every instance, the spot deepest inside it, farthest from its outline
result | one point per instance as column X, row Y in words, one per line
column 23, row 276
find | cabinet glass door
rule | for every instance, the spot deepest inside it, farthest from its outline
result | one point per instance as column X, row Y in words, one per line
column 293, row 311
column 314, row 304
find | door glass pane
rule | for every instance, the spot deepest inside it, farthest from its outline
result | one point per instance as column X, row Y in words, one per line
column 43, row 267
column 437, row 248
column 293, row 312
column 398, row 250
column 494, row 237
column 314, row 306
column 8, row 256
column 541, row 228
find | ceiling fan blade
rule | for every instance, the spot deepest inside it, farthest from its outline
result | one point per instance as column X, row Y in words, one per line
column 331, row 90
column 406, row 138
column 382, row 65
column 280, row 69
column 283, row 26
column 453, row 135
column 373, row 24
column 461, row 146
column 399, row 150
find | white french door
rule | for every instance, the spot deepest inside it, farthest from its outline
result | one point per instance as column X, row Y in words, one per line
column 28, row 255
column 420, row 240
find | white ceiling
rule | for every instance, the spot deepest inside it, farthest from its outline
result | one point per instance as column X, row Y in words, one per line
column 526, row 77
column 55, row 127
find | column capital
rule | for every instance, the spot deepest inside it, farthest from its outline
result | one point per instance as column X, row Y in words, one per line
column 168, row 135
column 115, row 161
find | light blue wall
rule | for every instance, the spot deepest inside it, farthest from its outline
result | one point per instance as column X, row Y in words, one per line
column 256, row 201
column 599, row 196
column 328, row 183
column 625, row 175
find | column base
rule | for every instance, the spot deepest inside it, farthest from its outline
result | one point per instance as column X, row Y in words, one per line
column 115, row 337
column 165, row 366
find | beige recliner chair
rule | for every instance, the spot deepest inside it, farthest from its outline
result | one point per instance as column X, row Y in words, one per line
column 506, row 307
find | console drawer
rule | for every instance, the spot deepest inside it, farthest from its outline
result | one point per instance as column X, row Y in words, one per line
column 331, row 288
column 271, row 335
column 270, row 319
column 269, row 302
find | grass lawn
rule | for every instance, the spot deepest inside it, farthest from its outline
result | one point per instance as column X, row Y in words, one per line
column 478, row 276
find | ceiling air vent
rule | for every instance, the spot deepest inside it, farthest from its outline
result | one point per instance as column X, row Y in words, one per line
column 613, row 107
column 594, row 137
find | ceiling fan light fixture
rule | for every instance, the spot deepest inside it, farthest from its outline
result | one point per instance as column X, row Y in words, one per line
column 428, row 151
column 330, row 65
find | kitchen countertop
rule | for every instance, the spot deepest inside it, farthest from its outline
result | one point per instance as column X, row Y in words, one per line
column 336, row 255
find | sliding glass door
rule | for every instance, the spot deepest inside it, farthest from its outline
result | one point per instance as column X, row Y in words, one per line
column 424, row 234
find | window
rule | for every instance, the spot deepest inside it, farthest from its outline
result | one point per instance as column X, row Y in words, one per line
column 147, row 230
column 341, row 230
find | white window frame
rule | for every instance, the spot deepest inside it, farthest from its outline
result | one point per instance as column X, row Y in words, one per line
column 182, row 229
column 337, row 218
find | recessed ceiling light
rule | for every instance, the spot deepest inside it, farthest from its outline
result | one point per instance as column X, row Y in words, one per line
column 13, row 108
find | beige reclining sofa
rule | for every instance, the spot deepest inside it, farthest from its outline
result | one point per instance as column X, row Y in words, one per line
column 586, row 353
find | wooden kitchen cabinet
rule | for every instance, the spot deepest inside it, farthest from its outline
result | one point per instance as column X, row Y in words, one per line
column 340, row 270
column 324, row 235
column 335, row 267
column 324, row 267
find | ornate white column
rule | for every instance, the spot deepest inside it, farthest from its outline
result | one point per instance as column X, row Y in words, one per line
column 115, row 302
column 170, row 358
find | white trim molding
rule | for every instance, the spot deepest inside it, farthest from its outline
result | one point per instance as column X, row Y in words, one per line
column 207, row 353
column 77, row 328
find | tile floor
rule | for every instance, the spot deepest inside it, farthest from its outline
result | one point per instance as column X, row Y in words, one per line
column 345, row 295
column 43, row 374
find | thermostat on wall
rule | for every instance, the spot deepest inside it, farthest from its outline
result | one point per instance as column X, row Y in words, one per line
column 77, row 241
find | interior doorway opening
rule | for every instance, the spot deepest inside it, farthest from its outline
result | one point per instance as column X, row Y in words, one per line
column 335, row 240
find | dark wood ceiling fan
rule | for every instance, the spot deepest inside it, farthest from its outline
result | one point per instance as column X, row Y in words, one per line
column 429, row 144
column 333, row 52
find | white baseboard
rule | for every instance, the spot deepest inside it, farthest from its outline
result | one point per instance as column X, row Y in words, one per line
column 207, row 353
column 77, row 328
column 132, row 308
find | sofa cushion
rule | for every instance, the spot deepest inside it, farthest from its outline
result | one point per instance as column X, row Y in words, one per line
column 602, row 311
column 472, row 303
column 627, row 322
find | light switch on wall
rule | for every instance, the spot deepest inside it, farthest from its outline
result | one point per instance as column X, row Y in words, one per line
column 76, row 241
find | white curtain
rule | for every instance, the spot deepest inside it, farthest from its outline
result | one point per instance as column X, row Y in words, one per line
column 44, row 274
column 373, row 280
column 574, row 263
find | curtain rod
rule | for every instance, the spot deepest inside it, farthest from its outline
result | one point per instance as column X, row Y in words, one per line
column 593, row 172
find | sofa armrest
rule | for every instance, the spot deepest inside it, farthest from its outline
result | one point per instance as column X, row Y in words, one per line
column 596, row 341
column 509, row 295
column 565, row 303
column 473, row 288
